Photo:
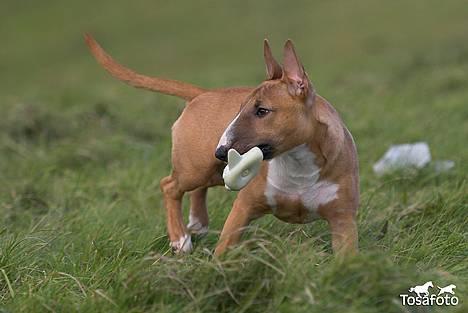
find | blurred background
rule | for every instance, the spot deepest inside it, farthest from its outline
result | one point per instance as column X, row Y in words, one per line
column 81, row 154
column 390, row 68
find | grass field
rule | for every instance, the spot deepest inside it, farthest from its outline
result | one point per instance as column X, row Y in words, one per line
column 82, row 225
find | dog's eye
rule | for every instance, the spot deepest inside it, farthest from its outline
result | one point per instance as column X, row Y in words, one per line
column 261, row 112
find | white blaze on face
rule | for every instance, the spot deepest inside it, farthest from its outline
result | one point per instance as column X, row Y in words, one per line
column 227, row 133
column 295, row 173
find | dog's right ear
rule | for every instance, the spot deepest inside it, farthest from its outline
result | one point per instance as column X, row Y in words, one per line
column 295, row 76
column 273, row 69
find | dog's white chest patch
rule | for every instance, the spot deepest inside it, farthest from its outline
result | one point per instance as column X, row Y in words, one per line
column 294, row 174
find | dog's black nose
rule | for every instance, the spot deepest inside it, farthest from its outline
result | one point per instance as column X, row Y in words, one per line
column 221, row 153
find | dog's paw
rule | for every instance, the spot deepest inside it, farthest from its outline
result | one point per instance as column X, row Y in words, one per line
column 184, row 245
column 195, row 227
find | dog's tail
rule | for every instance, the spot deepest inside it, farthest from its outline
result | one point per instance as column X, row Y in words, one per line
column 166, row 86
column 411, row 289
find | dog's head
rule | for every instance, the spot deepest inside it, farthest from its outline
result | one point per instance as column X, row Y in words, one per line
column 276, row 116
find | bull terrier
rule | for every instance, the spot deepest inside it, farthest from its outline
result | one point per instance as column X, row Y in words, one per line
column 310, row 167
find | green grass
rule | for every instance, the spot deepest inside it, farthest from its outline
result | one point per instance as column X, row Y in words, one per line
column 82, row 226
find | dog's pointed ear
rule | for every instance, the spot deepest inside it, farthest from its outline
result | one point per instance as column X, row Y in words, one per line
column 273, row 69
column 294, row 74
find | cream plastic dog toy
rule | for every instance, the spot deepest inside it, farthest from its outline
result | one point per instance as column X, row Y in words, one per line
column 241, row 168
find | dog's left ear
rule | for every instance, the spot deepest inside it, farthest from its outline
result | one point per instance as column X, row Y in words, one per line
column 273, row 69
column 294, row 74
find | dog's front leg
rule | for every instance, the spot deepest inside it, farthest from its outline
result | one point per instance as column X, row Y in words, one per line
column 344, row 233
column 241, row 215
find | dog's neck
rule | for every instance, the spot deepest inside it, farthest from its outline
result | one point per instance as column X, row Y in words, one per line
column 312, row 129
column 297, row 170
column 294, row 170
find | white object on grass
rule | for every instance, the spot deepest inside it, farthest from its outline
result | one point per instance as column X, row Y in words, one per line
column 403, row 156
column 241, row 168
column 441, row 166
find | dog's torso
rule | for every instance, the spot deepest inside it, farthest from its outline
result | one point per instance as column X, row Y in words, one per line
column 296, row 186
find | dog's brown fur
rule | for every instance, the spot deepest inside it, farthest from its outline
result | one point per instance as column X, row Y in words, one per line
column 300, row 116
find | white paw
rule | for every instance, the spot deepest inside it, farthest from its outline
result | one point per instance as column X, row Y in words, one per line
column 184, row 244
column 197, row 229
column 195, row 226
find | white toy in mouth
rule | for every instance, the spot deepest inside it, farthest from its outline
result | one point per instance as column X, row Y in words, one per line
column 241, row 168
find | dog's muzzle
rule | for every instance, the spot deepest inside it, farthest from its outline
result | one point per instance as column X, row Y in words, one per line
column 221, row 153
column 267, row 150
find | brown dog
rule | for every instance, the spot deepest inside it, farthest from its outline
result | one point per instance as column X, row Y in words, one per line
column 311, row 168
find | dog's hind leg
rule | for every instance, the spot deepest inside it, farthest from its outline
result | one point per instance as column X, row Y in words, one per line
column 198, row 218
column 178, row 234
